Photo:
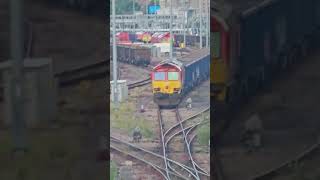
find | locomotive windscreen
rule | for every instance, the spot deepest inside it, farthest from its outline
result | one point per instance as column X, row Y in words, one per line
column 173, row 76
column 159, row 76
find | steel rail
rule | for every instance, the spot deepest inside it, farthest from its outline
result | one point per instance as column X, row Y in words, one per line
column 175, row 126
column 186, row 141
column 143, row 151
column 139, row 83
column 203, row 172
column 165, row 148
column 156, row 167
column 162, row 140
column 192, row 116
column 150, row 152
column 192, row 138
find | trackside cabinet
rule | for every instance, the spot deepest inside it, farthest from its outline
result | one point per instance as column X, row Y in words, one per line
column 39, row 91
column 122, row 90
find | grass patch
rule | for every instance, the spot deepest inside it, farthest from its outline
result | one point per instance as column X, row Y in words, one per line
column 51, row 155
column 125, row 118
column 113, row 170
column 203, row 131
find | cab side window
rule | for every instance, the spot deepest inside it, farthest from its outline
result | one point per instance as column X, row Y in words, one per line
column 216, row 45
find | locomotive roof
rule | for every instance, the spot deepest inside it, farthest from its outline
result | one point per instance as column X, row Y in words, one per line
column 224, row 8
column 186, row 60
column 173, row 62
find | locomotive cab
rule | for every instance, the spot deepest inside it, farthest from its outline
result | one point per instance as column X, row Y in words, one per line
column 167, row 84
column 166, row 79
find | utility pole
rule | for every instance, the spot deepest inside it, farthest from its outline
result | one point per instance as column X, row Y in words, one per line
column 146, row 7
column 184, row 25
column 208, row 25
column 18, row 123
column 200, row 12
column 171, row 34
column 115, row 84
column 134, row 14
column 133, row 7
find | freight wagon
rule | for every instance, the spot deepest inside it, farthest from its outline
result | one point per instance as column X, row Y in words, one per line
column 254, row 39
column 133, row 54
column 172, row 79
column 191, row 40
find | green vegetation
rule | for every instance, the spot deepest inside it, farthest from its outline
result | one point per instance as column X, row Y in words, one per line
column 113, row 170
column 125, row 6
column 125, row 118
column 51, row 154
column 155, row 1
column 203, row 131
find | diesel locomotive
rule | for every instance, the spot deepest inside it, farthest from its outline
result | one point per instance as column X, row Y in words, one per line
column 254, row 39
column 172, row 79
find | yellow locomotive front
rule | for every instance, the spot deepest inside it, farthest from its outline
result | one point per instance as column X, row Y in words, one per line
column 166, row 84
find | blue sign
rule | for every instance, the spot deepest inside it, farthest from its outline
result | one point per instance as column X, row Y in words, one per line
column 153, row 9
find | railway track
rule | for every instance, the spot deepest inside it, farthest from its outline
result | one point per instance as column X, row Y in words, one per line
column 160, row 162
column 139, row 83
column 140, row 154
column 130, row 146
column 88, row 72
column 190, row 136
column 166, row 137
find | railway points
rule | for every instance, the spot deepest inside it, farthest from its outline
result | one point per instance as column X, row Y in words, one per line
column 153, row 145
column 142, row 95
column 169, row 78
column 175, row 164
